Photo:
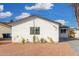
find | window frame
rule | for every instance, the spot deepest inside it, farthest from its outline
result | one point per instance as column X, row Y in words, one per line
column 7, row 35
column 34, row 30
column 63, row 30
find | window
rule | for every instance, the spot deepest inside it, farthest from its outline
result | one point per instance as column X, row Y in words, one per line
column 63, row 30
column 35, row 30
column 6, row 35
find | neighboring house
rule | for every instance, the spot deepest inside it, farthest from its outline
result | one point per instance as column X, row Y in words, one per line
column 64, row 32
column 34, row 26
column 5, row 30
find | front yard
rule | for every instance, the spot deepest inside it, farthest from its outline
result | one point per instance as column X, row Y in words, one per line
column 35, row 49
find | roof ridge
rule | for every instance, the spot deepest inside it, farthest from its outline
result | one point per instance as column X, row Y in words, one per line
column 36, row 16
column 5, row 24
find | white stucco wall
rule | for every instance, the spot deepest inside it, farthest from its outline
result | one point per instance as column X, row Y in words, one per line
column 4, row 29
column 47, row 29
column 77, row 34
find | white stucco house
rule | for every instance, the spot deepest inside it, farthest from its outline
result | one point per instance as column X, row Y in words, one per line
column 5, row 30
column 77, row 34
column 38, row 27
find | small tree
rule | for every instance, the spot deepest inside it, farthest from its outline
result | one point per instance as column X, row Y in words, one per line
column 72, row 33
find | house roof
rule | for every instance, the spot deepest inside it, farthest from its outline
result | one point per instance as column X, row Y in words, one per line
column 9, row 24
column 63, row 26
column 31, row 18
column 5, row 24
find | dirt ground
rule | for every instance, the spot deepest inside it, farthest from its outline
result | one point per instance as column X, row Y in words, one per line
column 35, row 49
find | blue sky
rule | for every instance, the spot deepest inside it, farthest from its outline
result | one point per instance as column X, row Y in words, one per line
column 55, row 12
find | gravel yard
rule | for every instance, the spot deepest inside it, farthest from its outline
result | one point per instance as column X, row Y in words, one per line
column 75, row 45
column 35, row 49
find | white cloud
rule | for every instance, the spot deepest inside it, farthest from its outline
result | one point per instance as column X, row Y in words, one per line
column 40, row 6
column 71, row 27
column 23, row 15
column 63, row 22
column 5, row 14
column 1, row 8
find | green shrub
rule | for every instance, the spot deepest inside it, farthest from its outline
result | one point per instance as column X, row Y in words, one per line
column 43, row 40
column 23, row 40
column 36, row 39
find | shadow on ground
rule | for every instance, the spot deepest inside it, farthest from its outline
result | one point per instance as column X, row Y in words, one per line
column 1, row 43
column 4, row 41
column 67, row 39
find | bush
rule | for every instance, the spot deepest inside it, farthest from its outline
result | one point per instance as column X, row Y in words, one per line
column 35, row 39
column 43, row 40
column 23, row 40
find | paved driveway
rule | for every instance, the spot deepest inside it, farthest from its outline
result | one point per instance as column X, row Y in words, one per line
column 75, row 45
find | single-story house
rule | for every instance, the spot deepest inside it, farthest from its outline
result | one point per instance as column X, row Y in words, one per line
column 35, row 29
column 5, row 30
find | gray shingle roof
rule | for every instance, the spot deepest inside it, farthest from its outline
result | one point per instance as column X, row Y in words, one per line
column 31, row 17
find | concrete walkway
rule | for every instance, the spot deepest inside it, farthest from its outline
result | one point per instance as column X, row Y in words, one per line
column 75, row 45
